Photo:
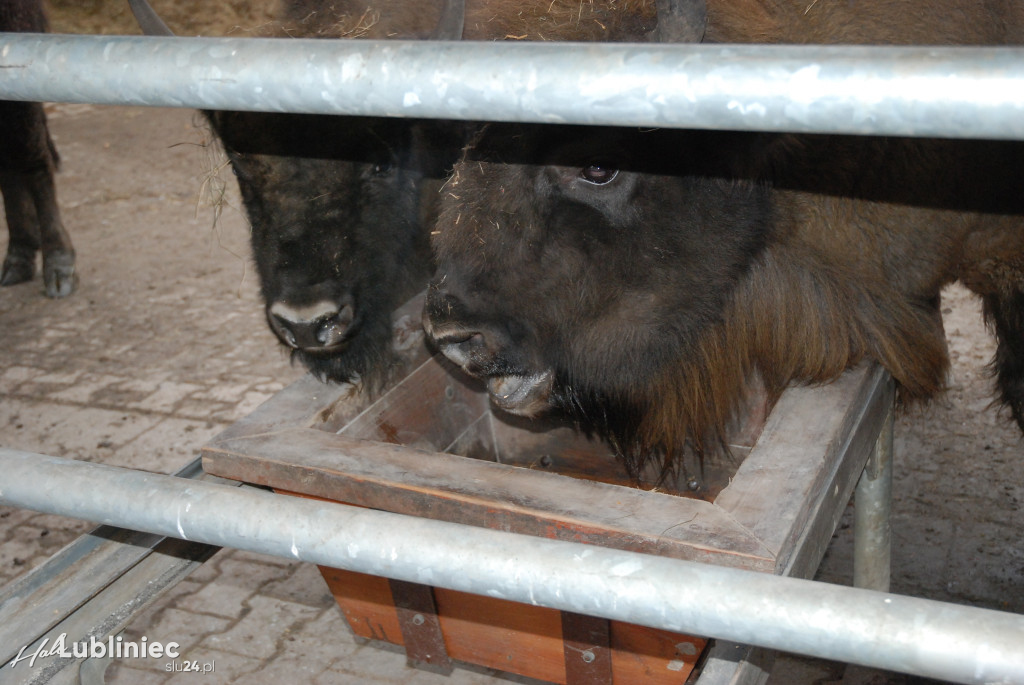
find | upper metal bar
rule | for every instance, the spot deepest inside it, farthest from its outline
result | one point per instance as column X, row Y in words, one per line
column 847, row 624
column 942, row 92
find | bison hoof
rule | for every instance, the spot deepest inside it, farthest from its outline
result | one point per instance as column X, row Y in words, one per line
column 17, row 268
column 59, row 275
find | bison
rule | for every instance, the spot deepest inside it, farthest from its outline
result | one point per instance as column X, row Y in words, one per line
column 28, row 160
column 642, row 281
column 339, row 206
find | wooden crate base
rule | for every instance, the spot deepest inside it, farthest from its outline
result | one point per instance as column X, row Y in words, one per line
column 536, row 642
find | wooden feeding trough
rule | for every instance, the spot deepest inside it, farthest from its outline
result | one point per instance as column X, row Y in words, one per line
column 431, row 447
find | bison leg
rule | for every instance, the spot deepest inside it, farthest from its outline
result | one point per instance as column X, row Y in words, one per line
column 34, row 224
column 1006, row 314
column 29, row 158
column 59, row 274
column 20, row 262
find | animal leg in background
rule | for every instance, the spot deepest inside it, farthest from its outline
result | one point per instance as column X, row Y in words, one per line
column 28, row 160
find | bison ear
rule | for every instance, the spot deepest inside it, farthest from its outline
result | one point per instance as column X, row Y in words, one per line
column 681, row 21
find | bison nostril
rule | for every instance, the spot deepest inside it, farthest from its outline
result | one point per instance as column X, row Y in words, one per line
column 332, row 330
column 469, row 339
column 317, row 327
column 286, row 336
column 460, row 347
column 330, row 333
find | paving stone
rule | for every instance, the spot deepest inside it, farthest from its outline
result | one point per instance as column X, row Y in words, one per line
column 791, row 669
column 325, row 639
column 219, row 599
column 66, row 432
column 12, row 377
column 161, row 448
column 187, row 629
column 368, row 661
column 245, row 406
column 258, row 633
column 254, row 572
column 166, row 396
column 305, row 585
column 119, row 674
column 284, row 670
column 86, row 386
column 11, row 518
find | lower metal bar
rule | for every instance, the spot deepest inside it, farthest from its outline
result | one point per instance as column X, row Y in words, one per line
column 872, row 532
column 846, row 624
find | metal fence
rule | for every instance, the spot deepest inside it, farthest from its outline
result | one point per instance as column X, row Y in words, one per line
column 944, row 92
column 963, row 92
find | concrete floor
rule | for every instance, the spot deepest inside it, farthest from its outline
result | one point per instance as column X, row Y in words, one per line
column 164, row 345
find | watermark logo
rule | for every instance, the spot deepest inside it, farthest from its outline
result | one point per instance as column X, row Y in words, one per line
column 112, row 647
column 189, row 667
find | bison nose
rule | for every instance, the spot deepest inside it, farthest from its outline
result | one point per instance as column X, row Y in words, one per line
column 463, row 347
column 321, row 326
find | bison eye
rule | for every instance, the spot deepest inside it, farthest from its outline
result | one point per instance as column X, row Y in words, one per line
column 598, row 174
column 382, row 168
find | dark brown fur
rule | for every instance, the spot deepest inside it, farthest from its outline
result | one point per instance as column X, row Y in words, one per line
column 842, row 245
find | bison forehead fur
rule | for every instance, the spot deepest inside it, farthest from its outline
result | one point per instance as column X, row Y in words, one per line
column 654, row 273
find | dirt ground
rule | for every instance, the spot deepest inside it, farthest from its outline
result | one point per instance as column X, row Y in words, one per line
column 164, row 345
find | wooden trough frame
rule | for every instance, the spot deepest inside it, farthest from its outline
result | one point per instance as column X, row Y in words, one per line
column 775, row 513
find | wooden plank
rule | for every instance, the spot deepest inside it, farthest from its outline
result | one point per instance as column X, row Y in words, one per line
column 806, row 552
column 512, row 637
column 775, row 492
column 448, row 487
column 649, row 655
column 367, row 604
column 497, row 633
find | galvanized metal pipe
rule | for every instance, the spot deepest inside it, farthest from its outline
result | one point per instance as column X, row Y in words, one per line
column 946, row 92
column 872, row 532
column 847, row 624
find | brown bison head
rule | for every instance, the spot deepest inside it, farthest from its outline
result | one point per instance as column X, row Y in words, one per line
column 577, row 265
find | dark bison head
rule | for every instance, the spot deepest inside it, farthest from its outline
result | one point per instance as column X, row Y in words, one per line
column 574, row 263
column 337, row 235
column 338, row 226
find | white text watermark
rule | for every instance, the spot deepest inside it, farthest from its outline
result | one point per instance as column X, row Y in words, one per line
column 112, row 647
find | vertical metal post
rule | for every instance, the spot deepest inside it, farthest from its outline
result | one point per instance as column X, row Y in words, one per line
column 872, row 533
